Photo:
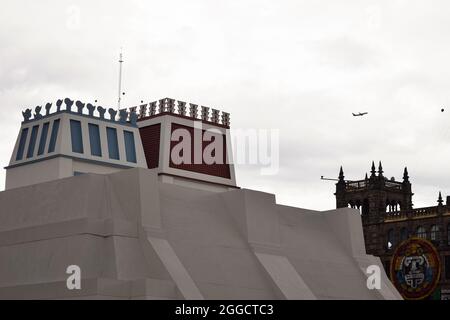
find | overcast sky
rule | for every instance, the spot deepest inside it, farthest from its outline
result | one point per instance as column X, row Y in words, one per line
column 298, row 66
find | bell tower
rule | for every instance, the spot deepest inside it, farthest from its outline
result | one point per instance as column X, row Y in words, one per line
column 374, row 195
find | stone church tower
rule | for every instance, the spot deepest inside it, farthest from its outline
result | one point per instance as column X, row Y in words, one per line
column 374, row 196
column 388, row 218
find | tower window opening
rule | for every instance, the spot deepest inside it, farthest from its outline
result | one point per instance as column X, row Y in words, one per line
column 94, row 139
column 32, row 143
column 113, row 145
column 434, row 235
column 43, row 139
column 130, row 147
column 76, row 135
column 23, row 140
column 421, row 232
column 54, row 136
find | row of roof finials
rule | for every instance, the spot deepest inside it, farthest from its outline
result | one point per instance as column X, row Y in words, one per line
column 166, row 105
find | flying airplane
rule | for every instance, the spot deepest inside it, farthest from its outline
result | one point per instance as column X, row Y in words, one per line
column 360, row 114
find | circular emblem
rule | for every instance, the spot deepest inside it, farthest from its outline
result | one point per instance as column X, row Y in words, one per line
column 415, row 268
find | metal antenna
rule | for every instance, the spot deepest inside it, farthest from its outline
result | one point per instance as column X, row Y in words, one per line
column 120, row 79
column 331, row 179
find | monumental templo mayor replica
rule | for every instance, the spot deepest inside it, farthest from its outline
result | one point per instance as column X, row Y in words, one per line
column 101, row 190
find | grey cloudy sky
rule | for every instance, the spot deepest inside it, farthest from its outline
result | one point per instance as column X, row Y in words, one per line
column 298, row 66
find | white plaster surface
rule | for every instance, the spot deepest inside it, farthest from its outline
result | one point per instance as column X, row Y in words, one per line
column 135, row 237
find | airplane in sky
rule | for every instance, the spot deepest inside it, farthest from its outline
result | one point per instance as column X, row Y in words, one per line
column 360, row 114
